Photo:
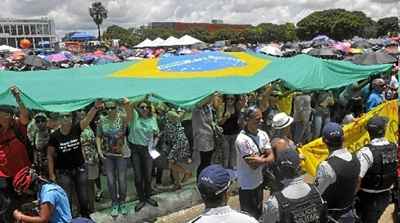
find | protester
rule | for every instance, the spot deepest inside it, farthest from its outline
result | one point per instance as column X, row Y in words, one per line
column 322, row 114
column 65, row 156
column 337, row 176
column 254, row 152
column 378, row 174
column 177, row 148
column 213, row 184
column 113, row 150
column 54, row 206
column 203, row 133
column 13, row 149
column 143, row 133
column 39, row 135
column 301, row 115
column 376, row 96
column 281, row 122
column 90, row 155
column 297, row 201
column 228, row 120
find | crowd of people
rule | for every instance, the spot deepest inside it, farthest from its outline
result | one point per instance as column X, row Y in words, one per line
column 57, row 155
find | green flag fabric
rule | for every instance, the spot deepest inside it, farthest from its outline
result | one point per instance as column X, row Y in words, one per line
column 182, row 80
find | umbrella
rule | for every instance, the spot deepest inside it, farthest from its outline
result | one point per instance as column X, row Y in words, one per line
column 17, row 55
column 364, row 44
column 374, row 58
column 36, row 61
column 271, row 50
column 323, row 52
column 58, row 57
column 322, row 40
column 98, row 53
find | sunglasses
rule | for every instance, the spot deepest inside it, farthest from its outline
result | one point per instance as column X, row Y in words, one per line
column 144, row 107
column 230, row 99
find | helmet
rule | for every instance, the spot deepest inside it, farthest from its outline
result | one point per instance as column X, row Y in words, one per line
column 23, row 179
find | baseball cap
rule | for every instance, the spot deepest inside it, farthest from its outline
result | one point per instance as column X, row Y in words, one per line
column 332, row 132
column 377, row 122
column 288, row 162
column 214, row 180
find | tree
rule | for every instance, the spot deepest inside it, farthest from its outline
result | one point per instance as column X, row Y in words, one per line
column 338, row 24
column 125, row 36
column 98, row 12
column 388, row 25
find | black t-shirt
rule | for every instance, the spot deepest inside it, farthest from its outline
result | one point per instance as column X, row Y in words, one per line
column 231, row 125
column 67, row 148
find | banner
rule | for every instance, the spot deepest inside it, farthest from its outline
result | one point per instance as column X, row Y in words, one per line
column 355, row 136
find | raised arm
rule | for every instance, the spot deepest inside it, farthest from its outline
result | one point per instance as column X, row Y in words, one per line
column 23, row 111
column 91, row 114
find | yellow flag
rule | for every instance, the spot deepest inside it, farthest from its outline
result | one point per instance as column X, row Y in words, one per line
column 355, row 136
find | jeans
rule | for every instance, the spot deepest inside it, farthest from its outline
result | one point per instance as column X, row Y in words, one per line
column 205, row 161
column 142, row 166
column 251, row 201
column 372, row 205
column 76, row 180
column 230, row 151
column 116, row 178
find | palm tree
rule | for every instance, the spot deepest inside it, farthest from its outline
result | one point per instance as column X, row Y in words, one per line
column 98, row 12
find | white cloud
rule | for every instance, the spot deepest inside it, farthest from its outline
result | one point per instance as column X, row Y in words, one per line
column 72, row 15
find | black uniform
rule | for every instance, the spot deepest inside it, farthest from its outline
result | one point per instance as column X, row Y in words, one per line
column 308, row 209
column 340, row 195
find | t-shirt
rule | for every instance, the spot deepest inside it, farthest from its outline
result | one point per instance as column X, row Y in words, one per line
column 113, row 134
column 250, row 178
column 141, row 130
column 56, row 196
column 13, row 152
column 67, row 148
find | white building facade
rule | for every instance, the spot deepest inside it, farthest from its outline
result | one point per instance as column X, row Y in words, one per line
column 38, row 31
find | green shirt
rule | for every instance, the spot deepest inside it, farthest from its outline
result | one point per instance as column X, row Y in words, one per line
column 142, row 129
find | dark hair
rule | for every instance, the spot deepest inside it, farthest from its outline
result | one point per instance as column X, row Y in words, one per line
column 149, row 104
column 214, row 201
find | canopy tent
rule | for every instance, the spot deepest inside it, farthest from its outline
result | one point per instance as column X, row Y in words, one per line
column 182, row 80
column 157, row 42
column 171, row 41
column 271, row 50
column 188, row 40
column 8, row 48
column 82, row 36
column 144, row 43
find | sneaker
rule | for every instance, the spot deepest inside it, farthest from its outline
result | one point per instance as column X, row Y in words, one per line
column 114, row 211
column 139, row 206
column 152, row 202
column 123, row 209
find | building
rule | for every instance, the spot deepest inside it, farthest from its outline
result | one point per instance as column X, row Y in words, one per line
column 38, row 31
column 211, row 27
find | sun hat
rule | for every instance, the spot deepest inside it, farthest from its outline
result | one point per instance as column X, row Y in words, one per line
column 281, row 120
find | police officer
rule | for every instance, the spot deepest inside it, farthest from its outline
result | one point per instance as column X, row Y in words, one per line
column 337, row 177
column 298, row 201
column 213, row 183
column 378, row 174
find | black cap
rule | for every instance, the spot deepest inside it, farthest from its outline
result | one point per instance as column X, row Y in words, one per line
column 377, row 123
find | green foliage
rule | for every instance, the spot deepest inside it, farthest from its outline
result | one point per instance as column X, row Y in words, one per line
column 338, row 24
column 98, row 13
column 388, row 25
column 125, row 36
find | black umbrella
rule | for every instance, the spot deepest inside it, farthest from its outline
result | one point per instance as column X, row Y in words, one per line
column 36, row 61
column 323, row 52
column 374, row 58
column 364, row 44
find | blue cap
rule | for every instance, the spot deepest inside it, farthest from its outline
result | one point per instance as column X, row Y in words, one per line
column 214, row 180
column 332, row 132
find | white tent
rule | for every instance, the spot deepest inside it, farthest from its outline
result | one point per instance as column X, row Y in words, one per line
column 188, row 40
column 171, row 41
column 8, row 48
column 145, row 43
column 271, row 50
column 157, row 42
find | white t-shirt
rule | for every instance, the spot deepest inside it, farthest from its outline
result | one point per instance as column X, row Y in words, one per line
column 222, row 215
column 248, row 177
